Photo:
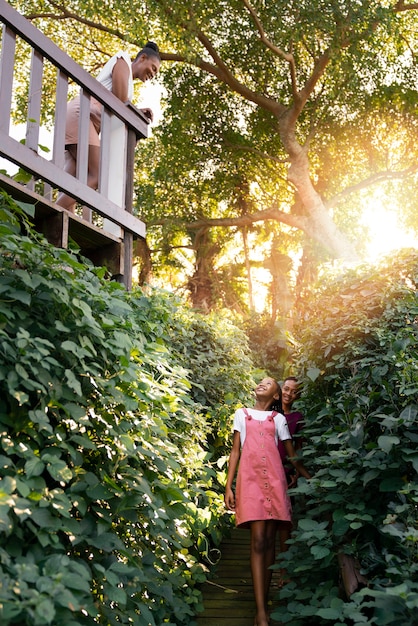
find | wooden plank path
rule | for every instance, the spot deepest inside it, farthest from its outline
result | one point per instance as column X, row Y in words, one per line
column 228, row 596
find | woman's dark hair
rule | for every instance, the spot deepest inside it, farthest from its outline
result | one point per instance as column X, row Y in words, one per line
column 150, row 49
column 291, row 378
column 276, row 405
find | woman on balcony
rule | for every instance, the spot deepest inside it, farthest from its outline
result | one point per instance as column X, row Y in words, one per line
column 117, row 75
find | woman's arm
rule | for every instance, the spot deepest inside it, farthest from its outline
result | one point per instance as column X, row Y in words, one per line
column 232, row 468
column 120, row 79
column 120, row 82
column 291, row 453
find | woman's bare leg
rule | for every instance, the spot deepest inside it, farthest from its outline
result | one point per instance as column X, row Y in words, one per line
column 93, row 167
column 71, row 168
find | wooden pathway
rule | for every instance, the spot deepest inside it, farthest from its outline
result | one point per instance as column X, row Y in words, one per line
column 228, row 597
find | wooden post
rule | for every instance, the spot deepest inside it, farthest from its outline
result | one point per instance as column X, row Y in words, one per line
column 128, row 237
column 8, row 47
column 350, row 574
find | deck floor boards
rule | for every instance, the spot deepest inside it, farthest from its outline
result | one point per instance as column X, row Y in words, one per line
column 228, row 596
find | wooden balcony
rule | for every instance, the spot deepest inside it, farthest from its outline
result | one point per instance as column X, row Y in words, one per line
column 104, row 228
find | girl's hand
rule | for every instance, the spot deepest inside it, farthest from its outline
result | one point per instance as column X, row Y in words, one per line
column 229, row 499
column 293, row 480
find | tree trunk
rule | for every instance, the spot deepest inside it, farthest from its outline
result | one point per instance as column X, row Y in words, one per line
column 319, row 225
column 200, row 285
column 143, row 264
column 248, row 270
column 279, row 266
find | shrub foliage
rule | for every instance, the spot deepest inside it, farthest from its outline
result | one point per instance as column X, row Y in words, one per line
column 359, row 356
column 108, row 506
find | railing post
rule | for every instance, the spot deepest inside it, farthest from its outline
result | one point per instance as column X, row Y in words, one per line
column 113, row 166
column 60, row 115
column 34, row 105
column 129, row 192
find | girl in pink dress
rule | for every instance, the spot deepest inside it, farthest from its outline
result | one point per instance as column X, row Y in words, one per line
column 261, row 502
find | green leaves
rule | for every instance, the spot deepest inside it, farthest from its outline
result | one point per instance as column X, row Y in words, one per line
column 360, row 445
column 102, row 447
column 386, row 442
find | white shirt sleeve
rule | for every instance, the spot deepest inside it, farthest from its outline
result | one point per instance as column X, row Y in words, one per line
column 239, row 424
column 282, row 429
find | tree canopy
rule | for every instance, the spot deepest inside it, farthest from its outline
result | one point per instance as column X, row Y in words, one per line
column 277, row 117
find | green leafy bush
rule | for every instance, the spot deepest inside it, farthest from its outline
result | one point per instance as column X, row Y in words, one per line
column 106, row 498
column 359, row 355
column 218, row 357
column 269, row 345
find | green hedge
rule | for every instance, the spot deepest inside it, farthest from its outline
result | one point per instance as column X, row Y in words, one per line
column 108, row 507
column 359, row 355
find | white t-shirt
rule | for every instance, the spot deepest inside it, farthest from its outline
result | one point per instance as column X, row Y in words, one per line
column 282, row 429
column 105, row 76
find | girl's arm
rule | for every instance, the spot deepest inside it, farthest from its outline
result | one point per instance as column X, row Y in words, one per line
column 291, row 453
column 232, row 468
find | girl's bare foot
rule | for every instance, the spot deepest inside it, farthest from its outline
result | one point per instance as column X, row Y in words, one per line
column 261, row 620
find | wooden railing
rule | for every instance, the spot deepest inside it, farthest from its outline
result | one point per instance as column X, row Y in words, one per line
column 110, row 238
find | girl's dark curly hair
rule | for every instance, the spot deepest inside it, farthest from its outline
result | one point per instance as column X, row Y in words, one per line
column 276, row 405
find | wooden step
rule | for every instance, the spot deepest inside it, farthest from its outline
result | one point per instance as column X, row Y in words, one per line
column 228, row 598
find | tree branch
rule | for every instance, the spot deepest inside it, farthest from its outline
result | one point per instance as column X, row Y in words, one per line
column 67, row 15
column 219, row 69
column 278, row 51
column 323, row 60
column 260, row 153
column 374, row 179
column 295, row 221
column 222, row 72
column 401, row 6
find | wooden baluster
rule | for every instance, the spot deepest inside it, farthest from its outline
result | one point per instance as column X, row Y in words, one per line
column 34, row 105
column 59, row 125
column 83, row 145
column 105, row 152
column 58, row 147
column 8, row 48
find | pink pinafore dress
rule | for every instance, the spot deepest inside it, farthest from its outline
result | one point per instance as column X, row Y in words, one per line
column 261, row 489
